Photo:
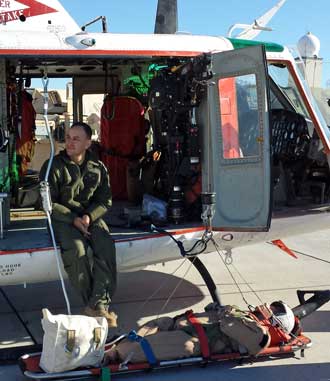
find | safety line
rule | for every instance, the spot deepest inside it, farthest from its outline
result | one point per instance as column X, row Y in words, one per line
column 304, row 254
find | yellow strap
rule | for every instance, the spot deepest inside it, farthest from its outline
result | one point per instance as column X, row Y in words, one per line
column 70, row 340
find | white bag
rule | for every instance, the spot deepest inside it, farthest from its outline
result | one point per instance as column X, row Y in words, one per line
column 72, row 341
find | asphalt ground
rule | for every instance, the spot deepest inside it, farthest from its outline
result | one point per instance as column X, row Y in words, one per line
column 262, row 272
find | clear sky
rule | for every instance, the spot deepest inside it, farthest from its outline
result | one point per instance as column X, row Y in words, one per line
column 214, row 17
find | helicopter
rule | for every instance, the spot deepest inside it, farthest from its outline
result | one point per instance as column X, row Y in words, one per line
column 231, row 144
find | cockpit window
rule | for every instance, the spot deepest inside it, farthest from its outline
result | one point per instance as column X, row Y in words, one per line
column 282, row 77
column 315, row 106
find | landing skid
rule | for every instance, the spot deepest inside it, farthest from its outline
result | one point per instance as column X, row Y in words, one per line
column 307, row 306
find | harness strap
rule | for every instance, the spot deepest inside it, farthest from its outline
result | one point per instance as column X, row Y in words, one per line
column 148, row 352
column 105, row 374
column 200, row 333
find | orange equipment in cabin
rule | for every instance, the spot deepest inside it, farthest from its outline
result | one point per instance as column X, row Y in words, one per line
column 122, row 139
column 25, row 142
column 229, row 118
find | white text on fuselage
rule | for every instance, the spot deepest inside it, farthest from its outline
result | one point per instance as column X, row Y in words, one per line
column 4, row 4
column 5, row 15
column 10, row 16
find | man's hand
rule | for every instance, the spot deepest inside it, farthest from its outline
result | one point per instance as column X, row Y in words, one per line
column 86, row 220
column 82, row 224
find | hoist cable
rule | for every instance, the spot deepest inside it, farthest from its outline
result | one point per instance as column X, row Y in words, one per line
column 162, row 285
column 173, row 292
column 276, row 321
column 175, row 288
column 45, row 191
column 229, row 271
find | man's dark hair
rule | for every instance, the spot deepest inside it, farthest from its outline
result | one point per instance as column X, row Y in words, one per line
column 85, row 127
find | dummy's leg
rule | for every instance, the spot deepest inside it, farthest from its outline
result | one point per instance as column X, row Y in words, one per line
column 74, row 256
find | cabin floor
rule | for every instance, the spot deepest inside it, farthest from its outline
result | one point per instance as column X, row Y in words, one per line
column 273, row 275
column 28, row 227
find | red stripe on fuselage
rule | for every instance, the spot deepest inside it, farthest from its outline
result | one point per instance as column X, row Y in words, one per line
column 151, row 236
column 25, row 251
column 68, row 53
column 36, row 8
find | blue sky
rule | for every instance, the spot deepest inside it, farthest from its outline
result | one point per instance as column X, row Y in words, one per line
column 214, row 17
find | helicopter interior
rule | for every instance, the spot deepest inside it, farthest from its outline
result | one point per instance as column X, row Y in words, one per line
column 151, row 129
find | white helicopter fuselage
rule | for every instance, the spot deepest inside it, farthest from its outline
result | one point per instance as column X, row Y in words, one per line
column 243, row 208
column 39, row 264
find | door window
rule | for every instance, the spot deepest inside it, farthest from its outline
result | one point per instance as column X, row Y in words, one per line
column 239, row 116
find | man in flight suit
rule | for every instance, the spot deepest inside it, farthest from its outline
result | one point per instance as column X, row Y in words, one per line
column 81, row 195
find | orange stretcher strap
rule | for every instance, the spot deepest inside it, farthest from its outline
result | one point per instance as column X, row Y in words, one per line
column 200, row 333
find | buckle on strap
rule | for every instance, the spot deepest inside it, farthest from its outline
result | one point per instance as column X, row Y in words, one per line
column 70, row 347
column 133, row 336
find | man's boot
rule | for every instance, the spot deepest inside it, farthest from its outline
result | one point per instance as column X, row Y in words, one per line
column 102, row 311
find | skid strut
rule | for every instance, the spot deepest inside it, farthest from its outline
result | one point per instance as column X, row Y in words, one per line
column 306, row 307
column 212, row 287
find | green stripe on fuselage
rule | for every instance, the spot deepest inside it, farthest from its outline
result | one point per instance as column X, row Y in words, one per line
column 270, row 46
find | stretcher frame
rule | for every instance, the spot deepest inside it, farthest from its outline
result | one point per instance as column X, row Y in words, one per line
column 29, row 363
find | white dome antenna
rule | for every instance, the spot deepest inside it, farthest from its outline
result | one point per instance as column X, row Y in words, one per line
column 309, row 46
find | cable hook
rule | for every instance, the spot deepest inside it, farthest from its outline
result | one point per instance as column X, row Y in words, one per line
column 228, row 257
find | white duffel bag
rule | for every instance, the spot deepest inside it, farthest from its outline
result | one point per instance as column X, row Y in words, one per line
column 72, row 341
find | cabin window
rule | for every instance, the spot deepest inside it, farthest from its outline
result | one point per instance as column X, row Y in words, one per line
column 91, row 106
column 240, row 128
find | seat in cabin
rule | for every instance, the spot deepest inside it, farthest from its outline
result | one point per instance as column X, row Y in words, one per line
column 290, row 146
column 289, row 135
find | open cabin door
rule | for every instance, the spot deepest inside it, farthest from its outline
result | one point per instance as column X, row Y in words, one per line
column 236, row 157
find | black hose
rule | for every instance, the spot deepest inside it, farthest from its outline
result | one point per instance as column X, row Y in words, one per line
column 211, row 286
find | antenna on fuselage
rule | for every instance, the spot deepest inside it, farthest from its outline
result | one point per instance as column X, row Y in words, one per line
column 167, row 17
column 250, row 31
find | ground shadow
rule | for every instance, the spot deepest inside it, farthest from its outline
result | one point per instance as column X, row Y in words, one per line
column 134, row 289
column 318, row 321
column 230, row 371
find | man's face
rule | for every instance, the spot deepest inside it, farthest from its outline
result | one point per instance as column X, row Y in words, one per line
column 76, row 141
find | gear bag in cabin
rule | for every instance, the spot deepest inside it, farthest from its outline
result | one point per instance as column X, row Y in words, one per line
column 122, row 139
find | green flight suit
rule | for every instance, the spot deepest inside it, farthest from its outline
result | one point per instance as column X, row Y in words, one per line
column 77, row 190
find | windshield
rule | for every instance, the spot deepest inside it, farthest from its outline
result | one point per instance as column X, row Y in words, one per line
column 285, row 82
column 314, row 104
column 283, row 79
